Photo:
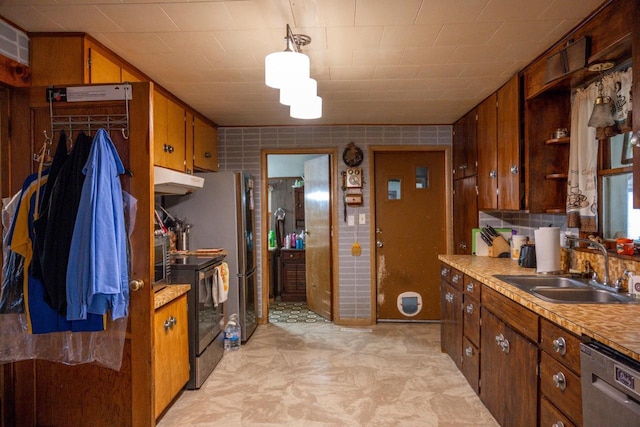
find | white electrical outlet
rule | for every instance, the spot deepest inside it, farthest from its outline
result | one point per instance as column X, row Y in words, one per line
column 362, row 219
column 351, row 220
column 634, row 286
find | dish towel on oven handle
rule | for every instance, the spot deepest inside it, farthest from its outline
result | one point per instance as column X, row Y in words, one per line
column 222, row 281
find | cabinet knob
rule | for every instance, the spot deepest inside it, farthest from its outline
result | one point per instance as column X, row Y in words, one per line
column 444, row 271
column 560, row 346
column 136, row 285
column 462, row 245
column 165, row 148
column 493, row 174
column 514, row 169
column 470, row 309
column 171, row 149
column 560, row 381
column 207, row 155
column 455, row 278
column 468, row 351
column 557, row 424
column 470, row 287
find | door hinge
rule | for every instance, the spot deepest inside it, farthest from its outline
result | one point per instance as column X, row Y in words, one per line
column 477, row 191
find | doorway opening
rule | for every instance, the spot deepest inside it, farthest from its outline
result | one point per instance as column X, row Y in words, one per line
column 299, row 203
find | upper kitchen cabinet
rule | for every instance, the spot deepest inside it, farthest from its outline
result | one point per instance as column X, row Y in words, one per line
column 169, row 133
column 205, row 145
column 547, row 99
column 75, row 58
column 636, row 111
column 499, row 164
column 465, row 146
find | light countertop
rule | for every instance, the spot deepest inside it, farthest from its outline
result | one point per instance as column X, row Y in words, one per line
column 168, row 294
column 615, row 325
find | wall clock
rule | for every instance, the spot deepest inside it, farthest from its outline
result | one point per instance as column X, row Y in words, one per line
column 352, row 155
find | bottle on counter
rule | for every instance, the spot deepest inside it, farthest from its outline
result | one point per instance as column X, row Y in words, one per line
column 272, row 239
column 232, row 333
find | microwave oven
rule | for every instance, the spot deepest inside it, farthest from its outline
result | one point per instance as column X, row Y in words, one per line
column 162, row 259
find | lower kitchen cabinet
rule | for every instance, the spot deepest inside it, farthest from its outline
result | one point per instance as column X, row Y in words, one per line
column 471, row 332
column 451, row 313
column 171, row 371
column 508, row 369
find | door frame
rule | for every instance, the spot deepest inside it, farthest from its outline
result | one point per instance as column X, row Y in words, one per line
column 372, row 208
column 264, row 225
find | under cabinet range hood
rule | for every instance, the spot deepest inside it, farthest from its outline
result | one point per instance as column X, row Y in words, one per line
column 167, row 181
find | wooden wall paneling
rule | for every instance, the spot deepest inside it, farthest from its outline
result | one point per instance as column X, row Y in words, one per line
column 636, row 111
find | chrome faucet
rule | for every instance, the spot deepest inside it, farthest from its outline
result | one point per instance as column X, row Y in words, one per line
column 605, row 279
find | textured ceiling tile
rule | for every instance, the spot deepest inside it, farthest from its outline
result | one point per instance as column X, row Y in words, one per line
column 248, row 15
column 206, row 16
column 92, row 18
column 409, row 35
column 450, row 11
column 570, row 9
column 440, row 70
column 128, row 17
column 385, row 12
column 466, row 34
column 377, row 57
column 427, row 55
column 325, row 13
column 361, row 37
column 513, row 10
column 351, row 73
column 29, row 18
column 399, row 72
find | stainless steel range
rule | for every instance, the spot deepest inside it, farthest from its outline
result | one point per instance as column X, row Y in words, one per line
column 205, row 316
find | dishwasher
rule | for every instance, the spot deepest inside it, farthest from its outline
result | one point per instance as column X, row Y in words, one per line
column 610, row 387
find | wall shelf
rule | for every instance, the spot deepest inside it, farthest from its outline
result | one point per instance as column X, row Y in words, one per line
column 557, row 141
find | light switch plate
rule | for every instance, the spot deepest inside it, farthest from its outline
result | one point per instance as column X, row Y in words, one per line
column 362, row 219
column 634, row 286
column 350, row 220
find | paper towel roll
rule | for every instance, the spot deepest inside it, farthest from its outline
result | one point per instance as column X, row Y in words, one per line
column 547, row 249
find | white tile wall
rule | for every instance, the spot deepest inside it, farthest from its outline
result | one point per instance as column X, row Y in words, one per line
column 239, row 149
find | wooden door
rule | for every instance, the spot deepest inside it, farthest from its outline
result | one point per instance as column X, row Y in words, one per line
column 410, row 226
column 508, row 145
column 317, row 186
column 54, row 394
column 487, row 154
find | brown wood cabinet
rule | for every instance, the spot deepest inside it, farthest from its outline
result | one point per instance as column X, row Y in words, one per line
column 76, row 58
column 298, row 208
column 508, row 369
column 293, row 275
column 171, row 370
column 451, row 313
column 499, row 162
column 471, row 328
column 465, row 146
column 465, row 217
column 169, row 133
column 205, row 145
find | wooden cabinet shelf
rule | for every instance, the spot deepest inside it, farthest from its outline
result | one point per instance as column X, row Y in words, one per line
column 556, row 176
column 554, row 141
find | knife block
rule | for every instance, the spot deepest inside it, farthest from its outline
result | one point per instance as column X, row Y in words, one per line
column 499, row 247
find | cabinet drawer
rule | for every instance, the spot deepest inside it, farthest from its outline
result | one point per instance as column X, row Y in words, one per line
column 512, row 313
column 551, row 416
column 562, row 387
column 471, row 364
column 457, row 279
column 472, row 288
column 292, row 255
column 471, row 315
column 445, row 272
column 560, row 344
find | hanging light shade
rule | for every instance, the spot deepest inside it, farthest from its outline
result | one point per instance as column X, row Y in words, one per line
column 602, row 114
column 310, row 108
column 289, row 66
column 283, row 68
column 298, row 91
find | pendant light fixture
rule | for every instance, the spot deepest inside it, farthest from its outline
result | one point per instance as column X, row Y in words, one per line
column 601, row 116
column 282, row 68
column 289, row 72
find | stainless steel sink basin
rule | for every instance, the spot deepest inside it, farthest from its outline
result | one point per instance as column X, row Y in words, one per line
column 527, row 282
column 587, row 295
column 566, row 290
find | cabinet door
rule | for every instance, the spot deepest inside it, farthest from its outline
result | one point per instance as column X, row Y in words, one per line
column 102, row 69
column 168, row 133
column 171, row 369
column 176, row 135
column 459, row 156
column 451, row 322
column 471, row 142
column 487, row 154
column 508, row 145
column 205, row 146
column 465, row 218
column 508, row 370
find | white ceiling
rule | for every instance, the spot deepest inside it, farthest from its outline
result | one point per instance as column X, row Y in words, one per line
column 376, row 61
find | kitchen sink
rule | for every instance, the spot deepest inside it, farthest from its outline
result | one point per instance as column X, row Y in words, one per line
column 566, row 290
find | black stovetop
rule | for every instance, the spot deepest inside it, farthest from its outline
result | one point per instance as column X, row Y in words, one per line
column 192, row 262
